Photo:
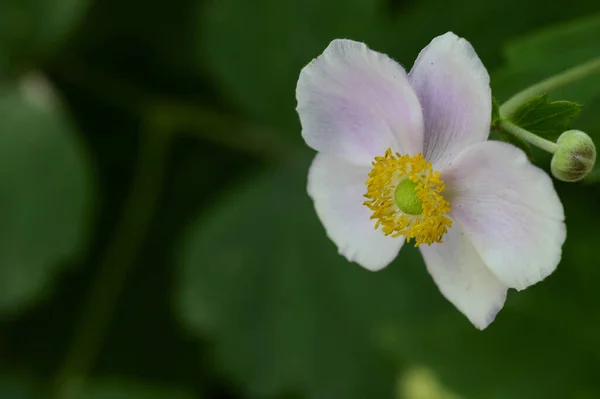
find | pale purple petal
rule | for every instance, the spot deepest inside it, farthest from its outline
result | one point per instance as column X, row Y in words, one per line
column 337, row 189
column 463, row 278
column 509, row 209
column 453, row 87
column 355, row 103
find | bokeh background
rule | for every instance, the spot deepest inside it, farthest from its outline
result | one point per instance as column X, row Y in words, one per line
column 156, row 239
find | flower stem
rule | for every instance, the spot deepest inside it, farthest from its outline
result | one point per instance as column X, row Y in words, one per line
column 531, row 138
column 565, row 78
column 120, row 256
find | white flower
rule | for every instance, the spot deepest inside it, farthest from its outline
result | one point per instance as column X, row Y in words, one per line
column 406, row 156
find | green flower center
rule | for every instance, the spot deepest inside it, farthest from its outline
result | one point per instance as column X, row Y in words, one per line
column 406, row 197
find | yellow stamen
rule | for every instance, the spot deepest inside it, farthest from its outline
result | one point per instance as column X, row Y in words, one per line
column 388, row 172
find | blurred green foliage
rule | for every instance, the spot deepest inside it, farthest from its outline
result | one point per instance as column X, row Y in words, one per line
column 153, row 185
column 31, row 29
column 46, row 197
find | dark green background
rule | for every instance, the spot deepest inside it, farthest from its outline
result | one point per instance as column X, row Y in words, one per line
column 151, row 159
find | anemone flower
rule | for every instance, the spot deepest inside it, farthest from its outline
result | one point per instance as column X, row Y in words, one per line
column 405, row 158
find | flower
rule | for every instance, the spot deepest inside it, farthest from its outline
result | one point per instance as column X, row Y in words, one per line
column 406, row 158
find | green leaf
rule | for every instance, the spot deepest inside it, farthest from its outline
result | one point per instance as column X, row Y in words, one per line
column 495, row 112
column 286, row 311
column 45, row 186
column 544, row 117
column 256, row 49
column 32, row 28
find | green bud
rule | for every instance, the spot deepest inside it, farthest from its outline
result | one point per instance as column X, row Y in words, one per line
column 575, row 156
column 407, row 199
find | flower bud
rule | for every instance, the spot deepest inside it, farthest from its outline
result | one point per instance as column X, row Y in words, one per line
column 575, row 156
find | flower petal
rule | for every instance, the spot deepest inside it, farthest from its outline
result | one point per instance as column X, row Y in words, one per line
column 463, row 278
column 453, row 87
column 337, row 189
column 510, row 210
column 355, row 103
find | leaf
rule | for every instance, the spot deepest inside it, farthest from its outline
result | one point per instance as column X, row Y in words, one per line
column 257, row 60
column 544, row 117
column 32, row 28
column 286, row 312
column 495, row 112
column 45, row 186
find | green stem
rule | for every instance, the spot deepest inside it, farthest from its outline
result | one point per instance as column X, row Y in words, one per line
column 559, row 80
column 531, row 138
column 214, row 126
column 120, row 256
